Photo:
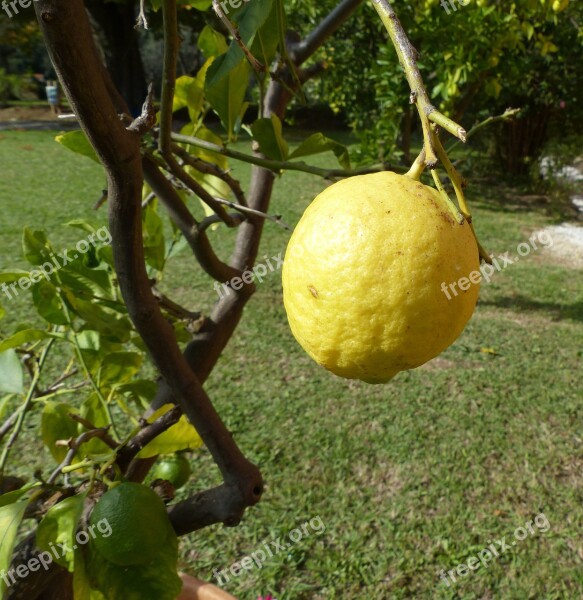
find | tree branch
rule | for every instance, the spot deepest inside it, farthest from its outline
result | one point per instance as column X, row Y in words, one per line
column 186, row 223
column 304, row 49
column 73, row 53
column 146, row 435
column 276, row 166
column 171, row 45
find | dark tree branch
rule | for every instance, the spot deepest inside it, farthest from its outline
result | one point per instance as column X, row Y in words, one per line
column 304, row 49
column 171, row 46
column 206, row 167
column 187, row 224
column 70, row 44
column 150, row 432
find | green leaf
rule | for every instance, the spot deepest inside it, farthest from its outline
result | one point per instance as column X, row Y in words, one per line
column 182, row 436
column 189, row 92
column 211, row 43
column 48, row 303
column 93, row 410
column 105, row 321
column 157, row 580
column 86, row 281
column 267, row 38
column 11, row 374
column 268, row 133
column 248, row 18
column 59, row 526
column 81, row 584
column 35, row 245
column 226, row 94
column 119, row 368
column 153, row 232
column 77, row 142
column 56, row 424
column 12, row 497
column 11, row 516
column 141, row 391
column 318, row 143
column 26, row 335
column 10, row 276
column 81, row 224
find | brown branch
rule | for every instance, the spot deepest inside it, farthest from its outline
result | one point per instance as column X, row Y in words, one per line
column 105, row 437
column 209, row 168
column 186, row 223
column 301, row 51
column 171, row 46
column 150, row 432
column 203, row 352
column 74, row 446
column 73, row 54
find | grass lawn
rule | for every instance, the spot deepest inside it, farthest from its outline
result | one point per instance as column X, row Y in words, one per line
column 408, row 478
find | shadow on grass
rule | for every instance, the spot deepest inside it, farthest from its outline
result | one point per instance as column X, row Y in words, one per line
column 520, row 197
column 558, row 312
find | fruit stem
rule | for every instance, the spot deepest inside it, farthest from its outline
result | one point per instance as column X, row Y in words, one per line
column 458, row 186
column 417, row 167
column 450, row 203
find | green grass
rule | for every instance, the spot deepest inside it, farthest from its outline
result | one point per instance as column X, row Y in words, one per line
column 408, row 478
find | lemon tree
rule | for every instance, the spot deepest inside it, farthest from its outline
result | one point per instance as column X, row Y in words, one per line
column 363, row 275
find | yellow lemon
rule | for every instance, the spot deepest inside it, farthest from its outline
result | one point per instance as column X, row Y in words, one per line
column 376, row 276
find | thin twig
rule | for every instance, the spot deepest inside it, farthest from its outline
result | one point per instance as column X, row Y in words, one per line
column 408, row 59
column 256, row 213
column 142, row 20
column 25, row 406
column 204, row 166
column 257, row 66
column 171, row 45
column 107, row 439
column 278, row 165
column 9, row 423
column 74, row 446
column 150, row 432
column 508, row 115
column 174, row 308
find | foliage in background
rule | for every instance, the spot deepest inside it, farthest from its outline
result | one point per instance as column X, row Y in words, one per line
column 489, row 55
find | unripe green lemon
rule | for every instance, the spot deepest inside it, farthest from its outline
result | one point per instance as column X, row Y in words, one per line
column 174, row 468
column 138, row 521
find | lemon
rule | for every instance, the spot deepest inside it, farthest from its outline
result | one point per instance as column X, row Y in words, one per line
column 365, row 272
column 138, row 521
column 174, row 468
